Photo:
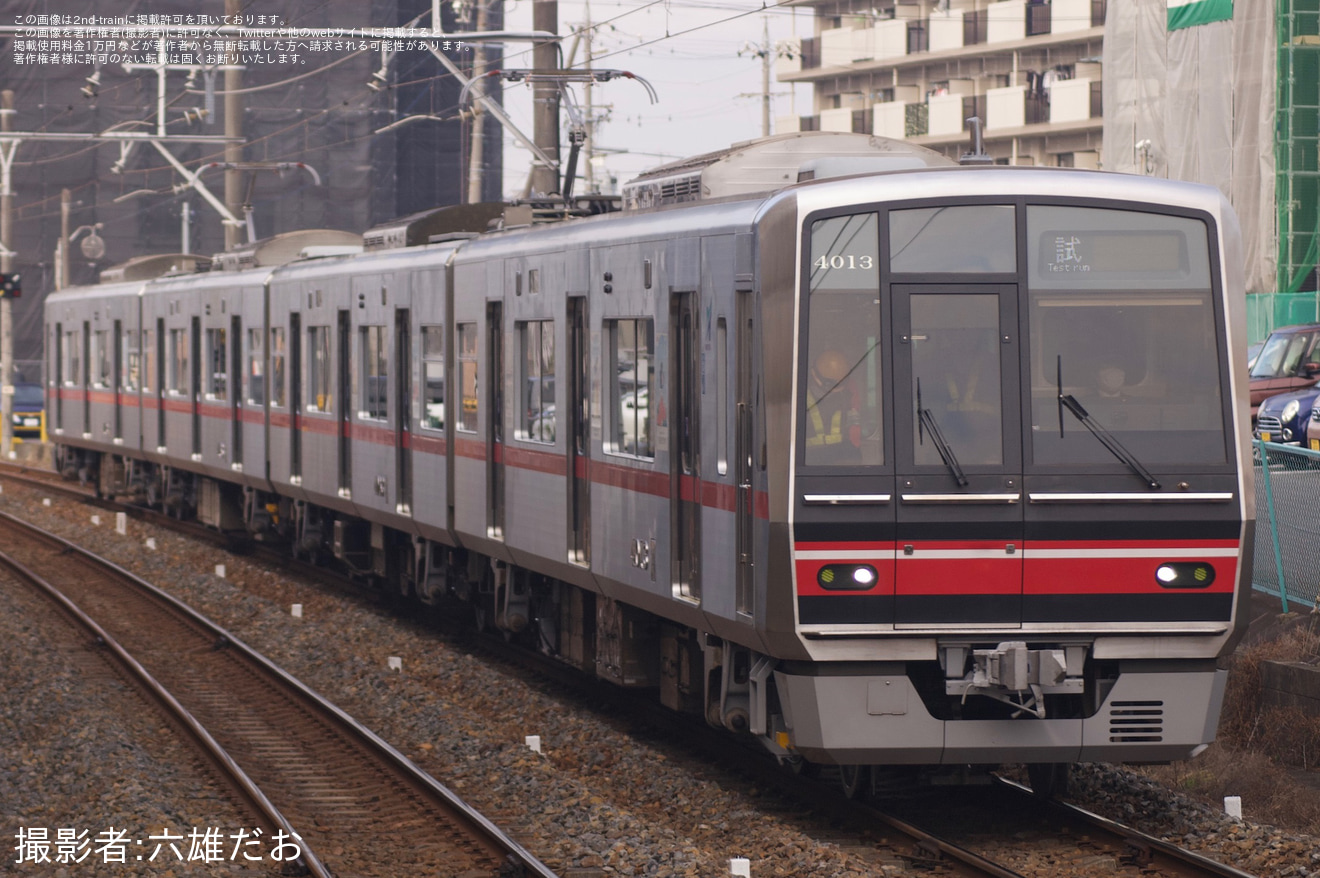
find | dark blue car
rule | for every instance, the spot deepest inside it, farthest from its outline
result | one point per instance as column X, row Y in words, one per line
column 1284, row 418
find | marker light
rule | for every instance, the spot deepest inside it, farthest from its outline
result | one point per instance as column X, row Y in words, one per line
column 1185, row 574
column 847, row 577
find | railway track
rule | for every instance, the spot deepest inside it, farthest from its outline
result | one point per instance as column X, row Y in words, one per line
column 1122, row 844
column 1000, row 828
column 892, row 838
column 319, row 782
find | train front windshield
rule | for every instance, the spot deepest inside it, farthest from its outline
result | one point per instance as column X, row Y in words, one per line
column 1060, row 318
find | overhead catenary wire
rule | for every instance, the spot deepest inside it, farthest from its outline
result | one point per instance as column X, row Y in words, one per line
column 445, row 113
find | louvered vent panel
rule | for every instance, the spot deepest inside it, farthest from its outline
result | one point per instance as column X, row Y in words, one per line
column 1136, row 722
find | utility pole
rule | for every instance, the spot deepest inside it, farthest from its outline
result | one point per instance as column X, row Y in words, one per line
column 233, row 130
column 545, row 95
column 477, row 148
column 6, row 304
column 62, row 249
column 589, row 148
column 765, row 77
column 767, row 52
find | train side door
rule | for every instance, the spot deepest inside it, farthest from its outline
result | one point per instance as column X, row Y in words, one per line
column 685, row 446
column 295, row 397
column 345, row 420
column 85, row 379
column 195, row 385
column 236, row 389
column 495, row 413
column 159, row 354
column 744, row 456
column 578, row 422
column 58, row 362
column 403, row 367
column 117, row 370
column 959, row 461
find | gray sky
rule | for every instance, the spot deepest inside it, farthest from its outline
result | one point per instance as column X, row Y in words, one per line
column 688, row 50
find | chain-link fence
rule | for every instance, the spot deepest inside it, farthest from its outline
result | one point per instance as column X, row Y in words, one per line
column 1287, row 523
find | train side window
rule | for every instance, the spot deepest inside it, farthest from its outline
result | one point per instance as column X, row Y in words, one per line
column 433, row 377
column 467, row 377
column 217, row 361
column 72, row 366
column 971, row 238
column 536, row 416
column 256, row 370
column 149, row 360
column 101, row 355
column 631, row 373
column 375, row 373
column 130, row 379
column 319, row 370
column 277, row 366
column 177, row 363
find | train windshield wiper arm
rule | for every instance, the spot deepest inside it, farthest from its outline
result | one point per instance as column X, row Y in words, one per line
column 1107, row 439
column 926, row 424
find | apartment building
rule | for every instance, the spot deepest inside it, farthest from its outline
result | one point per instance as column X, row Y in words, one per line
column 917, row 70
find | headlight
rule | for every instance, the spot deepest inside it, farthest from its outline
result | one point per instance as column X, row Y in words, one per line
column 1290, row 411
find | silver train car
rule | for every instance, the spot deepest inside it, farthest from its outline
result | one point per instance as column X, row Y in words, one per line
column 893, row 464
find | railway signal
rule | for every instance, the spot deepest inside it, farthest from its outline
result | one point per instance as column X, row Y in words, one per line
column 10, row 286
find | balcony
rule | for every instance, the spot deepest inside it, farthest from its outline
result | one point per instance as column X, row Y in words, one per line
column 960, row 31
column 1075, row 100
column 1013, row 107
column 948, row 114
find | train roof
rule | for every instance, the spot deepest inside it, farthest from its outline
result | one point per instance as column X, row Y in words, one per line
column 770, row 163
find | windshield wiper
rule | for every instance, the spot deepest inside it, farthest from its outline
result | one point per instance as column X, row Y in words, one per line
column 926, row 424
column 1107, row 439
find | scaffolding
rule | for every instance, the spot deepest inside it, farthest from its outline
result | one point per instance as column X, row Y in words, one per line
column 1298, row 127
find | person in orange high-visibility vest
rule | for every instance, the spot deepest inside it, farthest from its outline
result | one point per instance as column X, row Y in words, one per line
column 834, row 431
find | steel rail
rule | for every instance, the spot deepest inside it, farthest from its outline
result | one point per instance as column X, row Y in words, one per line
column 1147, row 847
column 528, row 862
column 257, row 799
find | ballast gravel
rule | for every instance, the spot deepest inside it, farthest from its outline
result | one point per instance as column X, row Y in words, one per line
column 599, row 799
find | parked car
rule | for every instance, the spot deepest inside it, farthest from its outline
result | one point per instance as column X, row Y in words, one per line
column 1289, row 360
column 29, row 411
column 1253, row 350
column 1285, row 418
column 1312, row 438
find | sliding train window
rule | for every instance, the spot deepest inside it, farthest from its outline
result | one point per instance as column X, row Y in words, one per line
column 256, row 367
column 1122, row 320
column 629, row 383
column 131, row 369
column 149, row 377
column 217, row 364
column 374, row 348
column 277, row 356
column 176, row 364
column 536, row 388
column 467, row 377
column 320, row 370
column 72, row 362
column 433, row 377
column 102, row 353
column 843, row 393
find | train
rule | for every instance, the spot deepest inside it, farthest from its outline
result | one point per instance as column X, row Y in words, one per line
column 898, row 465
